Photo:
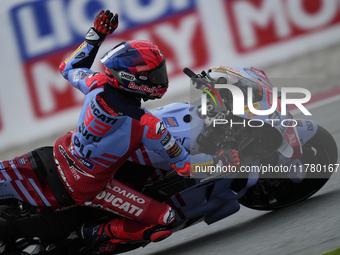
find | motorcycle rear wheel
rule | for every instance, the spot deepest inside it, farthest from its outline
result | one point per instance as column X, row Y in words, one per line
column 273, row 194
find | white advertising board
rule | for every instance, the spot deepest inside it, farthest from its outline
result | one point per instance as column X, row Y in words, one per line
column 36, row 36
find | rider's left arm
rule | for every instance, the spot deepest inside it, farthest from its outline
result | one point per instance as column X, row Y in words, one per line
column 158, row 139
column 76, row 68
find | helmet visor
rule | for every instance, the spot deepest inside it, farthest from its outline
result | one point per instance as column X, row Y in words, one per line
column 157, row 76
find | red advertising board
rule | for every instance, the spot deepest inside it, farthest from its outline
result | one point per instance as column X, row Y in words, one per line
column 259, row 23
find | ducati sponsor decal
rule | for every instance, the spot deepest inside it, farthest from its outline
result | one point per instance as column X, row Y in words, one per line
column 80, row 55
column 83, row 161
column 96, row 122
column 86, row 134
column 127, row 76
column 127, row 194
column 22, row 161
column 153, row 91
column 62, row 175
column 81, row 147
column 170, row 122
column 291, row 138
column 170, row 144
column 100, row 115
column 309, row 125
column 176, row 153
column 119, row 203
column 166, row 139
column 299, row 123
column 219, row 69
column 232, row 70
column 4, row 196
column 72, row 165
column 81, row 46
column 173, row 148
column 158, row 109
column 107, row 108
column 79, row 74
column 84, row 75
column 145, row 88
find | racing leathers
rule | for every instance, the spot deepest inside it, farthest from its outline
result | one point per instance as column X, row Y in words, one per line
column 111, row 127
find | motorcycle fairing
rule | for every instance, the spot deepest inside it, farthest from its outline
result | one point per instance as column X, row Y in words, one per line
column 291, row 146
column 212, row 199
column 183, row 122
column 262, row 100
column 305, row 130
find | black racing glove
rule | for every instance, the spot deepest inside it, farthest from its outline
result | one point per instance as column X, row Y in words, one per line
column 104, row 24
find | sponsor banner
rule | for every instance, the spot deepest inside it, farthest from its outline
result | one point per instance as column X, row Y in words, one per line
column 259, row 23
column 46, row 26
column 191, row 33
column 50, row 93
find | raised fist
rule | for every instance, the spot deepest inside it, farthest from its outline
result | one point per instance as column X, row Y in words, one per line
column 106, row 22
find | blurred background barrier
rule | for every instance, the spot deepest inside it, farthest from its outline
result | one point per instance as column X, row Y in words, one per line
column 286, row 38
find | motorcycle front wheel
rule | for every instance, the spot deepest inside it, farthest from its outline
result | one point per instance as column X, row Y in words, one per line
column 277, row 193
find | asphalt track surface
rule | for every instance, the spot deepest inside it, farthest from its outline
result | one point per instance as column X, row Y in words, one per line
column 308, row 228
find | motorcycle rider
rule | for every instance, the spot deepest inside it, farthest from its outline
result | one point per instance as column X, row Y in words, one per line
column 112, row 125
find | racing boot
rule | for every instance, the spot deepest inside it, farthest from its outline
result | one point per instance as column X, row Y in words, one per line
column 128, row 229
column 121, row 231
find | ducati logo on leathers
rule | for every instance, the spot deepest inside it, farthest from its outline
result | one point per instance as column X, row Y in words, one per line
column 126, row 194
column 122, row 200
column 119, row 203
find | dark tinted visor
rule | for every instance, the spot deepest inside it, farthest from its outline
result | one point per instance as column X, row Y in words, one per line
column 157, row 76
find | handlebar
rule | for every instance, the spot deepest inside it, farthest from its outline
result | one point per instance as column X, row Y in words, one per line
column 190, row 73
